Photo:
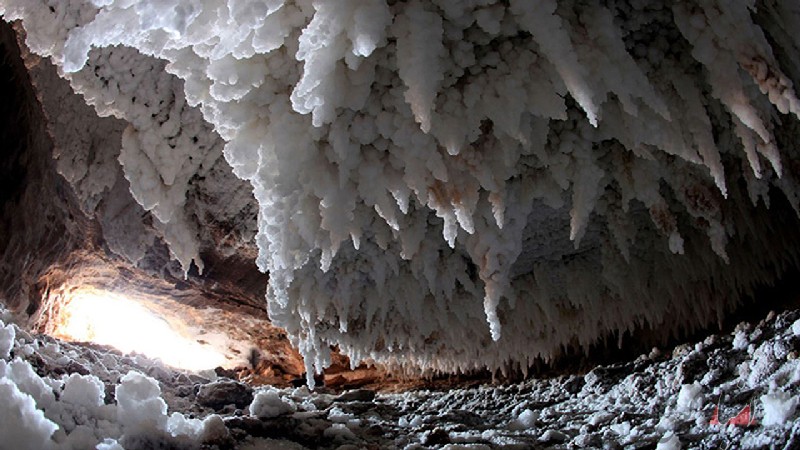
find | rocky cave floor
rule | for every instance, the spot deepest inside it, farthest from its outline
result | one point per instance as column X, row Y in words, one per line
column 664, row 400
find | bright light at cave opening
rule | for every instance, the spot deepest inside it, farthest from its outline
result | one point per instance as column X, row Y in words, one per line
column 112, row 319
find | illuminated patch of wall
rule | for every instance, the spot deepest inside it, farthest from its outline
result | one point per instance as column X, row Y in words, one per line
column 111, row 318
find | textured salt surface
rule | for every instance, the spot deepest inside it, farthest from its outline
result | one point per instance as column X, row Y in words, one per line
column 62, row 395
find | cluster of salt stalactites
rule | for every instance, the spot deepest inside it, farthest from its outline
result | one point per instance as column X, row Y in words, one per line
column 401, row 152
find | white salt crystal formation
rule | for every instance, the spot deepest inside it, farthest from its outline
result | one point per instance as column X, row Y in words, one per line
column 779, row 407
column 267, row 403
column 70, row 412
column 421, row 167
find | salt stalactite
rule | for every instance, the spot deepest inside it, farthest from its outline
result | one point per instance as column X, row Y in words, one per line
column 404, row 156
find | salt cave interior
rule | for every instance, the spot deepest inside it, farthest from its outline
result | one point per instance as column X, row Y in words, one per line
column 375, row 193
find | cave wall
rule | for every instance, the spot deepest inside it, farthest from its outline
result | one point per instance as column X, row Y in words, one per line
column 68, row 211
column 42, row 225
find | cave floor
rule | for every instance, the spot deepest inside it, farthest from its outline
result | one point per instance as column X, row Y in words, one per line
column 665, row 400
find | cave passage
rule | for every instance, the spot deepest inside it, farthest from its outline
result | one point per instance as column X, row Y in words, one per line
column 243, row 224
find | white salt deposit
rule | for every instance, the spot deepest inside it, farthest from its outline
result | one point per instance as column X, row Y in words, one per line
column 83, row 390
column 7, row 336
column 635, row 410
column 109, row 444
column 670, row 441
column 526, row 420
column 21, row 423
column 268, row 403
column 140, row 406
column 690, row 397
column 779, row 407
column 401, row 154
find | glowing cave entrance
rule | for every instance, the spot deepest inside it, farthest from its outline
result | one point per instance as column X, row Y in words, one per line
column 111, row 318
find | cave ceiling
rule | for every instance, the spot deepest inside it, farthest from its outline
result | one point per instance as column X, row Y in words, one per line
column 444, row 185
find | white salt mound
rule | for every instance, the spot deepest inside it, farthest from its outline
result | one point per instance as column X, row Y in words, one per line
column 22, row 426
column 526, row 420
column 7, row 336
column 140, row 406
column 779, row 407
column 670, row 441
column 179, row 425
column 796, row 327
column 267, row 403
column 83, row 390
column 109, row 444
column 689, row 396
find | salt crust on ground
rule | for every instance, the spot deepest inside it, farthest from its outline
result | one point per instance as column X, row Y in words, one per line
column 56, row 395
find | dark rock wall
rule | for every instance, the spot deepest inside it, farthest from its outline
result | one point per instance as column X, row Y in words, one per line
column 40, row 223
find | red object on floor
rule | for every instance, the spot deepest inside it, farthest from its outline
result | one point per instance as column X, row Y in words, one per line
column 715, row 417
column 744, row 418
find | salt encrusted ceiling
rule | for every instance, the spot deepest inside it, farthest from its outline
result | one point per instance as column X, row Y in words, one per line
column 446, row 184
